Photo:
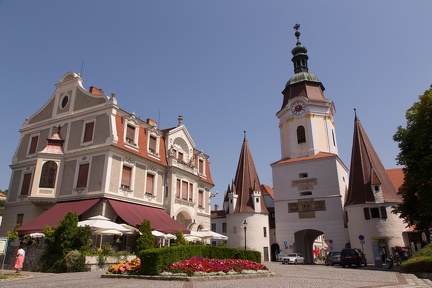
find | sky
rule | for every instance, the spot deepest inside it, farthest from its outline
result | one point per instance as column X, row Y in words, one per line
column 222, row 65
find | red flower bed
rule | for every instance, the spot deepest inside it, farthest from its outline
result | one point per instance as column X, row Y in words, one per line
column 206, row 265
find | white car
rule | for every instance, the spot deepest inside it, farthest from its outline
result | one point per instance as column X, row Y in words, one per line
column 293, row 258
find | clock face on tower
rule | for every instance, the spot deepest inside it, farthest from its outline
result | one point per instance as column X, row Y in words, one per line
column 298, row 107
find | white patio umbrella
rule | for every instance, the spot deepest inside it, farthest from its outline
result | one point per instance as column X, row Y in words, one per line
column 102, row 223
column 103, row 232
column 157, row 233
column 133, row 229
column 192, row 238
column 169, row 236
column 205, row 234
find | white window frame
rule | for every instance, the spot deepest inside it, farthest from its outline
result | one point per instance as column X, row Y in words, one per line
column 29, row 144
column 155, row 153
column 83, row 160
column 135, row 140
column 154, row 184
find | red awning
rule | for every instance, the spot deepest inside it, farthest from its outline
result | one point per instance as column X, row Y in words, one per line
column 55, row 214
column 134, row 214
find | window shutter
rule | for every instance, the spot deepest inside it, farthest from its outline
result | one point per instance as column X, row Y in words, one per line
column 178, row 189
column 82, row 176
column 366, row 213
column 88, row 133
column 152, row 143
column 33, row 144
column 149, row 184
column 201, row 166
column 383, row 212
column 126, row 175
column 26, row 184
column 184, row 190
column 130, row 133
column 201, row 198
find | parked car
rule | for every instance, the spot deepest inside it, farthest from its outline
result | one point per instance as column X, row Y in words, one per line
column 351, row 256
column 332, row 258
column 293, row 258
column 280, row 256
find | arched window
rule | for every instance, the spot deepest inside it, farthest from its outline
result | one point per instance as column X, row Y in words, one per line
column 48, row 175
column 301, row 135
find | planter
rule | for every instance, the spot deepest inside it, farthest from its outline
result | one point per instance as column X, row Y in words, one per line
column 96, row 263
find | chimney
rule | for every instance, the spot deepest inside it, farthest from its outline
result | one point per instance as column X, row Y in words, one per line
column 96, row 91
column 216, row 207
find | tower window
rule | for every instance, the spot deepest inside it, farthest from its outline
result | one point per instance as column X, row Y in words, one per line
column 48, row 175
column 301, row 135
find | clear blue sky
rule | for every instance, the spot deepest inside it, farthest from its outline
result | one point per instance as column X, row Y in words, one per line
column 221, row 65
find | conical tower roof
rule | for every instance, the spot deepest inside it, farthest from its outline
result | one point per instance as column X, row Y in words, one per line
column 367, row 171
column 246, row 181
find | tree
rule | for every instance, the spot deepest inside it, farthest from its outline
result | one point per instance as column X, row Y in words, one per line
column 415, row 144
column 146, row 240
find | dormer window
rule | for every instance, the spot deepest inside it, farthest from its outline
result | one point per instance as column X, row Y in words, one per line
column 130, row 135
column 376, row 188
column 201, row 167
column 153, row 144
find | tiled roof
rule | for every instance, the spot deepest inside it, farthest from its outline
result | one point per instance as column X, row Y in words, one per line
column 367, row 170
column 305, row 158
column 217, row 214
column 246, row 181
column 267, row 190
column 396, row 177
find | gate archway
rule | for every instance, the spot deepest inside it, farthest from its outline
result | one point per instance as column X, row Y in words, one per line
column 304, row 241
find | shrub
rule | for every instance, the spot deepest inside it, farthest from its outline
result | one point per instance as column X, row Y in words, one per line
column 146, row 240
column 75, row 262
column 420, row 261
column 155, row 260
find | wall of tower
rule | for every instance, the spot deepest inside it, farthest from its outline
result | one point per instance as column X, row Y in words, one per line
column 255, row 237
column 389, row 230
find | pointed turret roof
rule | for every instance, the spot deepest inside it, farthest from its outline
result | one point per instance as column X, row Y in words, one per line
column 367, row 171
column 246, row 181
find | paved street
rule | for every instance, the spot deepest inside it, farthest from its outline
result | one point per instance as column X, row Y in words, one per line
column 284, row 276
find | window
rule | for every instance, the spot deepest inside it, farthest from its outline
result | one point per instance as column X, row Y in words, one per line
column 383, row 212
column 303, row 175
column 235, row 230
column 224, row 227
column 190, row 191
column 334, row 141
column 20, row 218
column 265, row 231
column 82, row 175
column 180, row 156
column 88, row 132
column 200, row 198
column 301, row 135
column 152, row 144
column 126, row 177
column 306, row 193
column 25, row 188
column 213, row 227
column 374, row 213
column 366, row 213
column 201, row 166
column 150, row 184
column 185, row 190
column 178, row 189
column 130, row 134
column 33, row 144
column 257, row 200
column 48, row 175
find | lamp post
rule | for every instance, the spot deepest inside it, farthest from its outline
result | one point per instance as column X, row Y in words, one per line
column 245, row 229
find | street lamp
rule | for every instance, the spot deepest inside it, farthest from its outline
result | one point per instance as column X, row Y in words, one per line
column 245, row 229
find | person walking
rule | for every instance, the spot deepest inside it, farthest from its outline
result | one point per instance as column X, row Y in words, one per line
column 19, row 261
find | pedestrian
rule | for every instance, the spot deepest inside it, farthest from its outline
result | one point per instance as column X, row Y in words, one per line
column 20, row 255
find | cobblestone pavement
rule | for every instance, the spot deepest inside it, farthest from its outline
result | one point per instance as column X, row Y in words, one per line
column 283, row 276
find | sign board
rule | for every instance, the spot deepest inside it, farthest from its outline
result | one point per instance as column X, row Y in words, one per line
column 361, row 237
column 285, row 243
column 3, row 245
